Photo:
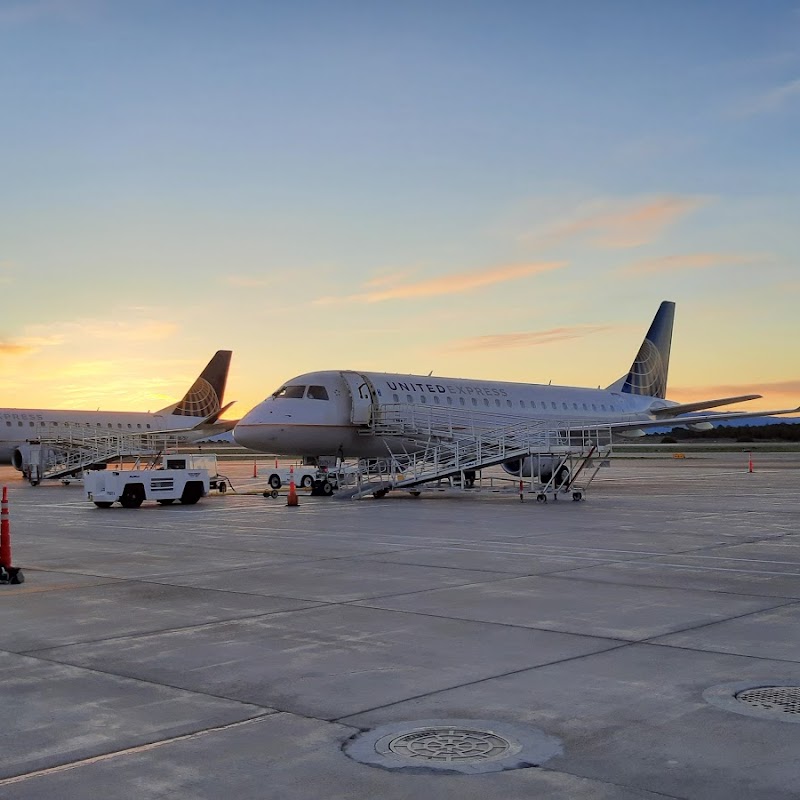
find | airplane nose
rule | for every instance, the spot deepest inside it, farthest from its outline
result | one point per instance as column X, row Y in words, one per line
column 245, row 435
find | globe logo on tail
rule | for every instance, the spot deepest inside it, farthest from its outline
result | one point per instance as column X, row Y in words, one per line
column 648, row 375
column 200, row 401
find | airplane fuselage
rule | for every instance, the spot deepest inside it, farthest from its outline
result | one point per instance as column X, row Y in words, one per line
column 327, row 412
column 20, row 425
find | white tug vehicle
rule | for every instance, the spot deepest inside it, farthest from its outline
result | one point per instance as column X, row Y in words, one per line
column 177, row 480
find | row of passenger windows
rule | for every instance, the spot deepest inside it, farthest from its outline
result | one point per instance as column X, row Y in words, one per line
column 298, row 392
column 499, row 403
column 129, row 426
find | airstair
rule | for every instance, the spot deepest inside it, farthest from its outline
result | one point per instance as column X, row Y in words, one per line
column 64, row 456
column 445, row 442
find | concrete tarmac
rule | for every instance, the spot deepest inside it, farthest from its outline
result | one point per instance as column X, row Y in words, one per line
column 239, row 648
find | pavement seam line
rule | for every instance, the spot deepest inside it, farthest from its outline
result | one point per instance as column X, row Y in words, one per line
column 142, row 748
column 477, row 681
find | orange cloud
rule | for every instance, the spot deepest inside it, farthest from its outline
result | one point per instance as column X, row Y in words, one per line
column 446, row 284
column 689, row 261
column 503, row 341
column 612, row 225
column 14, row 349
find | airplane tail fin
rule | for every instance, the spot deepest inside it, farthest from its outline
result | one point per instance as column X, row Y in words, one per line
column 204, row 398
column 648, row 373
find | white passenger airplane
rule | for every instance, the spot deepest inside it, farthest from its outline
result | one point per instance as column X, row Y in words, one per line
column 328, row 413
column 196, row 415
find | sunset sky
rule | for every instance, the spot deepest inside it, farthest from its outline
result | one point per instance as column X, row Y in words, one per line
column 493, row 189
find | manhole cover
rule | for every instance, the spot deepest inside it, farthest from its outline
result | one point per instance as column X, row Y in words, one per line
column 783, row 699
column 466, row 746
column 450, row 744
column 777, row 700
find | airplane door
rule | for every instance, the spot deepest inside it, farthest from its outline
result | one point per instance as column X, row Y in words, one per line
column 362, row 394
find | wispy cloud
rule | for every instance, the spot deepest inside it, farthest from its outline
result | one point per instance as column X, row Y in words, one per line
column 690, row 261
column 247, row 281
column 505, row 341
column 34, row 10
column 387, row 288
column 134, row 328
column 128, row 330
column 15, row 348
column 616, row 224
column 770, row 101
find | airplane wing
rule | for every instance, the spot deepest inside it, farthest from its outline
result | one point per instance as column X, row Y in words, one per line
column 210, row 426
column 678, row 421
column 684, row 408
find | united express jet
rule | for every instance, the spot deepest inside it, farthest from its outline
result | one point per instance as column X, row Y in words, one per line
column 195, row 415
column 328, row 413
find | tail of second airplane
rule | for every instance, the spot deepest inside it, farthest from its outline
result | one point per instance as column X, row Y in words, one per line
column 648, row 373
column 204, row 398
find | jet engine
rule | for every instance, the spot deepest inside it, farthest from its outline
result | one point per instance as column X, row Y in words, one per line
column 19, row 458
column 537, row 466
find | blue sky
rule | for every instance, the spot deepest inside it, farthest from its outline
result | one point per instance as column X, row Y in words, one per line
column 491, row 189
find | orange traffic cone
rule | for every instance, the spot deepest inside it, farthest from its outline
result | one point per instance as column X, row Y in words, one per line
column 291, row 499
column 750, row 462
column 255, row 469
column 8, row 574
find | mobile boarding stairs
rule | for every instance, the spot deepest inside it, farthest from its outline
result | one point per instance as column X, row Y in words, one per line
column 68, row 455
column 445, row 442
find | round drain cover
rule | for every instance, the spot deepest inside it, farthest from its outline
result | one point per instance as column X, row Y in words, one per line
column 776, row 700
column 450, row 744
column 782, row 699
column 466, row 746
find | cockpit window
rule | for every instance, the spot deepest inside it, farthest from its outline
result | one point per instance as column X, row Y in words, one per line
column 317, row 393
column 290, row 392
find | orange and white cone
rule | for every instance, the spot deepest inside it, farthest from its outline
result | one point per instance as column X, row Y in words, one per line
column 8, row 574
column 291, row 499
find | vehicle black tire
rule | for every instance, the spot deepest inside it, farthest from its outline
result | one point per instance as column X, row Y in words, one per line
column 273, row 494
column 166, row 502
column 222, row 487
column 562, row 476
column 306, row 481
column 541, row 498
column 192, row 492
column 577, row 497
column 274, row 481
column 326, row 488
column 132, row 495
column 102, row 504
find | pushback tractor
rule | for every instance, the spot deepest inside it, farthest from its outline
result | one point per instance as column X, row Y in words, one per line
column 130, row 488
